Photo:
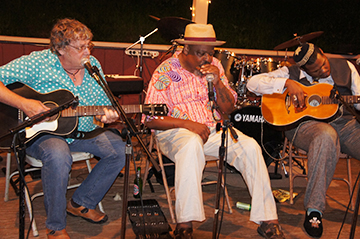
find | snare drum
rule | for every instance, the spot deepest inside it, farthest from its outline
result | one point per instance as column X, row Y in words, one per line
column 230, row 64
column 250, row 121
column 263, row 65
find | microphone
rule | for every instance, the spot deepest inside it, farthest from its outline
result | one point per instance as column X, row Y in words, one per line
column 86, row 63
column 210, row 78
column 358, row 61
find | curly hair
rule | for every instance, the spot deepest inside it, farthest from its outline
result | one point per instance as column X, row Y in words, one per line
column 65, row 31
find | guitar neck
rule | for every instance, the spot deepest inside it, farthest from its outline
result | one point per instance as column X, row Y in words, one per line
column 350, row 99
column 97, row 110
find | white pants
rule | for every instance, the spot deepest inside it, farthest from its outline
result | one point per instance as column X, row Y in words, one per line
column 188, row 152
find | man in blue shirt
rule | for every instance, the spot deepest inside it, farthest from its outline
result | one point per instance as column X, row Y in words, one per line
column 61, row 67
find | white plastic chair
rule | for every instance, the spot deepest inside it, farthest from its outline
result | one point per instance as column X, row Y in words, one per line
column 36, row 165
column 290, row 152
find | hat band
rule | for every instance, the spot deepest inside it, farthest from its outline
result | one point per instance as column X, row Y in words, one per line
column 213, row 39
column 305, row 59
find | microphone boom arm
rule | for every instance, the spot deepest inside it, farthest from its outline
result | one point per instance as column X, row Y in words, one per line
column 97, row 76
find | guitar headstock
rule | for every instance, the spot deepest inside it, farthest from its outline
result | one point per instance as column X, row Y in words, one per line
column 155, row 109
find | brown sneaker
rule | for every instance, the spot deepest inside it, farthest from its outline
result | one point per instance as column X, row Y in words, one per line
column 183, row 233
column 271, row 231
column 57, row 234
column 90, row 215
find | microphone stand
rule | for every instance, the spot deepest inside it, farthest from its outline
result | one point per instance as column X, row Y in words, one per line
column 227, row 125
column 19, row 144
column 141, row 40
column 172, row 49
column 128, row 149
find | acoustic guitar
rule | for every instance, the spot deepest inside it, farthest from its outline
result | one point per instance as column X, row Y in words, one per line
column 64, row 122
column 278, row 109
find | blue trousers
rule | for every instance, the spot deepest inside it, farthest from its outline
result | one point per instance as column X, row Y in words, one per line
column 55, row 154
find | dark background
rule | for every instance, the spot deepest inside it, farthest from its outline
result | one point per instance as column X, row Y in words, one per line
column 256, row 24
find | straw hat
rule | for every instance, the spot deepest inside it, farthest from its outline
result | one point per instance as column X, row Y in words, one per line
column 199, row 34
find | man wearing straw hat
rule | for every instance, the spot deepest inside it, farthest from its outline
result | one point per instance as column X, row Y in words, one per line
column 188, row 133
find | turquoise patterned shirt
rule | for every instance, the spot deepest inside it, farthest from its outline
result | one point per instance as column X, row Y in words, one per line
column 42, row 71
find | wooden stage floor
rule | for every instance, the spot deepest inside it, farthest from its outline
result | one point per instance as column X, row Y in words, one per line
column 235, row 225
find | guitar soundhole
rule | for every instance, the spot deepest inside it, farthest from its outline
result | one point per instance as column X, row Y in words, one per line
column 314, row 100
column 52, row 105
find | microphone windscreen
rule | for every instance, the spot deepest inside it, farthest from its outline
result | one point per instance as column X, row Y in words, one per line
column 210, row 77
column 358, row 61
column 85, row 61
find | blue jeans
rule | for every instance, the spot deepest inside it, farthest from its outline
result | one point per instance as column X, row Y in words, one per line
column 55, row 154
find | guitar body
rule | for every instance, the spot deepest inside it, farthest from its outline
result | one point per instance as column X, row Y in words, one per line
column 64, row 122
column 278, row 110
column 11, row 117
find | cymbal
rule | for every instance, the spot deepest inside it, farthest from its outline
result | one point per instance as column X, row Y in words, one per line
column 298, row 40
column 171, row 28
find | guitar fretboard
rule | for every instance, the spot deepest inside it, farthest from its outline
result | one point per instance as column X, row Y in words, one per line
column 351, row 99
column 97, row 110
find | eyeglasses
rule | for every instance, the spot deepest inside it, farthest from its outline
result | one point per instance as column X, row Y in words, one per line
column 90, row 46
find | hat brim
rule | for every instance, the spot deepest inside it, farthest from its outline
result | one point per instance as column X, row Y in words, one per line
column 207, row 43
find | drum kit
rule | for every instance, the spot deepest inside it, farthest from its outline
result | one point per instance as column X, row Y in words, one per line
column 239, row 70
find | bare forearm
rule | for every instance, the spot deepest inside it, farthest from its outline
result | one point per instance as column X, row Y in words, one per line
column 224, row 99
column 10, row 98
column 29, row 106
column 165, row 122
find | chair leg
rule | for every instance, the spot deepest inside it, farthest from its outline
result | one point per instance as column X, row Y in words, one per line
column 166, row 186
column 348, row 181
column 226, row 196
column 28, row 203
column 291, row 177
column 146, row 173
column 348, row 163
column 7, row 176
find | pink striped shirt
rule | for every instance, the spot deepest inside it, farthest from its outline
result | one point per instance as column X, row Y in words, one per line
column 184, row 93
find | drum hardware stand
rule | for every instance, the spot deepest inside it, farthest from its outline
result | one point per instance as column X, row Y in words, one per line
column 172, row 49
column 18, row 144
column 141, row 40
column 222, row 152
column 275, row 174
column 94, row 72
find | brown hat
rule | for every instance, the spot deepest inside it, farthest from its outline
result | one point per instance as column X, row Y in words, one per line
column 199, row 34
